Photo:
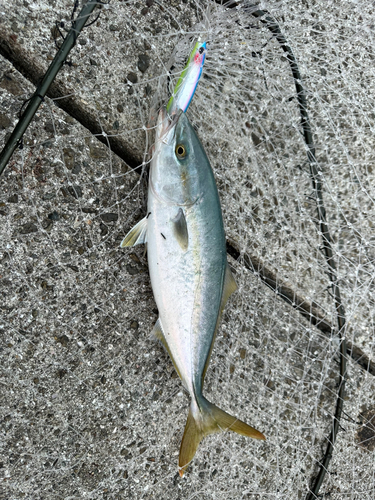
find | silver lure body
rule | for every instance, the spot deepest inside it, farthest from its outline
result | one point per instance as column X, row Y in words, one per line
column 188, row 267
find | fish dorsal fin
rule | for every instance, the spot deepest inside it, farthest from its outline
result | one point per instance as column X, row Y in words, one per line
column 158, row 332
column 230, row 286
column 180, row 229
column 137, row 235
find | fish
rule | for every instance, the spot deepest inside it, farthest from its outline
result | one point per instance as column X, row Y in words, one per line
column 188, row 81
column 188, row 267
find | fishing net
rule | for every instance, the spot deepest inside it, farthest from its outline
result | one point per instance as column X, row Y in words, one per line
column 91, row 405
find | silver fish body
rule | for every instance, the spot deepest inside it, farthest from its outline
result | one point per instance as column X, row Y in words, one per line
column 188, row 268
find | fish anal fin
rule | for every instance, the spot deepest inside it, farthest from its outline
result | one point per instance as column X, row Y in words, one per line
column 230, row 286
column 137, row 235
column 158, row 332
column 180, row 229
column 209, row 419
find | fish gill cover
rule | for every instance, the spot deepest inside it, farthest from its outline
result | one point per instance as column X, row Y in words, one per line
column 91, row 406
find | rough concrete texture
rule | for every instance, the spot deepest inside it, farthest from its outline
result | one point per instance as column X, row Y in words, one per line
column 91, row 406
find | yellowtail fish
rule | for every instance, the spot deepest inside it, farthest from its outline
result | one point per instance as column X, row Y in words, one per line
column 188, row 267
column 188, row 81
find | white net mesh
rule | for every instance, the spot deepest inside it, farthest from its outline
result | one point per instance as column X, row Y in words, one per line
column 92, row 406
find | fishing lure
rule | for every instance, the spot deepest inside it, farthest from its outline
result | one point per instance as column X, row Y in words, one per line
column 188, row 81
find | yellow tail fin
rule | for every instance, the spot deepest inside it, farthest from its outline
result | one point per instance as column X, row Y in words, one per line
column 206, row 419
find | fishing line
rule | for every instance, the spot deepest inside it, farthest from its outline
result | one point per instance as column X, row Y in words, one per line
column 272, row 25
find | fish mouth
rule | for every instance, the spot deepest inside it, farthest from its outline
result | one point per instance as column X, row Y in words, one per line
column 166, row 125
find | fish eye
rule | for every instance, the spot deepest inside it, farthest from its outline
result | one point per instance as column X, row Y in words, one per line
column 201, row 50
column 180, row 151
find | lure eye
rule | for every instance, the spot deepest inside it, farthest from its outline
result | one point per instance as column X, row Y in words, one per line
column 201, row 50
column 180, row 151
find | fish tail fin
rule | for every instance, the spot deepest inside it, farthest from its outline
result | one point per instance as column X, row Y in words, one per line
column 193, row 435
column 205, row 419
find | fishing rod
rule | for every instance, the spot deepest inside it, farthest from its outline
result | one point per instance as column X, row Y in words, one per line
column 42, row 89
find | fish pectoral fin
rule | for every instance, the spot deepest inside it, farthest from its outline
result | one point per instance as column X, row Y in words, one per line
column 180, row 229
column 158, row 332
column 137, row 235
column 211, row 419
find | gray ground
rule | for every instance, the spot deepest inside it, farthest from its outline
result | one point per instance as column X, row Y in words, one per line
column 91, row 406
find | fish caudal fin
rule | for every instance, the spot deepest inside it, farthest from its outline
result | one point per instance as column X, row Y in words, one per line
column 193, row 435
column 208, row 419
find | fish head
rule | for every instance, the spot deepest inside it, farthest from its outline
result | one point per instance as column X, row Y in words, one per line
column 178, row 162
